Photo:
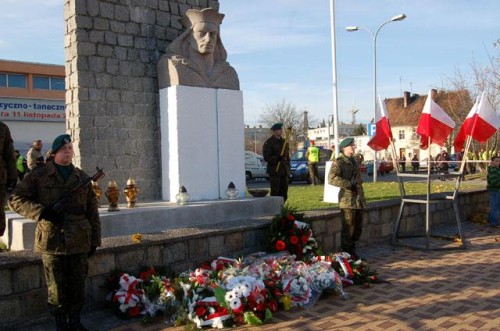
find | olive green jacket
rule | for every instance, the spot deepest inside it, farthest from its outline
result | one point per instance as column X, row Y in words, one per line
column 343, row 173
column 81, row 228
column 272, row 155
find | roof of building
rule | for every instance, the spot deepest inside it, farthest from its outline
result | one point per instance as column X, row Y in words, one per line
column 456, row 104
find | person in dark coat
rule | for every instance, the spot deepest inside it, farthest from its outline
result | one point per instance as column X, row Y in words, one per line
column 277, row 156
column 8, row 170
column 345, row 174
column 66, row 238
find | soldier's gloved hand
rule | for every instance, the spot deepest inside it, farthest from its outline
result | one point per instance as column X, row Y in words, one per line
column 354, row 188
column 50, row 215
column 92, row 251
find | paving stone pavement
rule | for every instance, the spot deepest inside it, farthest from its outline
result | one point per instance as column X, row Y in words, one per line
column 455, row 290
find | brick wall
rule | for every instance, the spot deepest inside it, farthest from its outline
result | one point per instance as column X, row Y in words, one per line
column 112, row 47
column 22, row 285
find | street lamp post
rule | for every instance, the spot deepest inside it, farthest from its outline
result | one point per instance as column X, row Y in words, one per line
column 255, row 139
column 396, row 18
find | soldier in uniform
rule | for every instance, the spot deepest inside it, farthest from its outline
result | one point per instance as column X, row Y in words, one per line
column 345, row 174
column 66, row 239
column 275, row 152
column 8, row 170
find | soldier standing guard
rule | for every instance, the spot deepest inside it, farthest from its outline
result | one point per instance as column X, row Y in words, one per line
column 345, row 174
column 276, row 155
column 66, row 239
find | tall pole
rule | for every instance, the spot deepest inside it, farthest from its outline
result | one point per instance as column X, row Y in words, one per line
column 396, row 18
column 334, row 81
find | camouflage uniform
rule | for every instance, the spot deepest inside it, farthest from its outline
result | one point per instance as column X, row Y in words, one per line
column 64, row 244
column 345, row 174
column 272, row 155
column 8, row 170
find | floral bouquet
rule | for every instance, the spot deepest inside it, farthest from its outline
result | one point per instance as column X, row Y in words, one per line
column 286, row 232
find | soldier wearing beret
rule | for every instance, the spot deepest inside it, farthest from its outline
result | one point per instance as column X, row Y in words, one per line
column 345, row 174
column 66, row 239
column 276, row 155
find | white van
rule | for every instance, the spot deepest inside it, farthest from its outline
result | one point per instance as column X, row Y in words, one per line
column 255, row 166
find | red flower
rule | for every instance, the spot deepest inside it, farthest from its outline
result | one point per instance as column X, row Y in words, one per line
column 304, row 239
column 291, row 217
column 200, row 311
column 134, row 311
column 273, row 306
column 294, row 240
column 280, row 245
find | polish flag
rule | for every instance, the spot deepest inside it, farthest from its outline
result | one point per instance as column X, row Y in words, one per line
column 466, row 128
column 481, row 123
column 434, row 123
column 486, row 122
column 383, row 133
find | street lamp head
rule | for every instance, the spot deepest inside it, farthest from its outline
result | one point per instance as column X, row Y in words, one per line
column 352, row 28
column 399, row 17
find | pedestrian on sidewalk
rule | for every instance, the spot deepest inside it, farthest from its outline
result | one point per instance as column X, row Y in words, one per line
column 493, row 186
column 66, row 238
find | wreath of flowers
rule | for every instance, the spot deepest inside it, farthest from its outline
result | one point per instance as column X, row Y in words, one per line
column 287, row 233
column 227, row 292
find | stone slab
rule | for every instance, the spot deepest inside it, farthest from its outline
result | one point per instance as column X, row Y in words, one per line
column 155, row 217
column 202, row 141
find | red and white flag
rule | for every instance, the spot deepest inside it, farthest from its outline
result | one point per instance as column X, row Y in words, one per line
column 466, row 128
column 383, row 133
column 481, row 123
column 434, row 123
column 487, row 121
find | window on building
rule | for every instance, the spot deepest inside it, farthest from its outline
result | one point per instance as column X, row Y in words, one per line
column 13, row 80
column 48, row 83
column 42, row 83
column 57, row 84
column 401, row 134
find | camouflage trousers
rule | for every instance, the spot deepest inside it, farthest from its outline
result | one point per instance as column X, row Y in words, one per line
column 352, row 226
column 65, row 277
column 279, row 186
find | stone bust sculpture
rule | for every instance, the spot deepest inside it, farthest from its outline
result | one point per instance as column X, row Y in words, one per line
column 197, row 57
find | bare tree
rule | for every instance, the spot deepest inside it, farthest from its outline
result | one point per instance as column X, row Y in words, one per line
column 481, row 78
column 291, row 117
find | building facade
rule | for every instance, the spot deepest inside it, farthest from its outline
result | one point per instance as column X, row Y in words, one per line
column 32, row 102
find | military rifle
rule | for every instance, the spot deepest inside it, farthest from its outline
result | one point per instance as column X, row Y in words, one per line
column 59, row 205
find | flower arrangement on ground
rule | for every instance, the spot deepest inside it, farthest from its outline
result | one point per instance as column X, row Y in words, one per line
column 288, row 233
column 229, row 292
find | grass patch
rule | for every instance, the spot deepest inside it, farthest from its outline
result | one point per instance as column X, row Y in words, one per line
column 303, row 198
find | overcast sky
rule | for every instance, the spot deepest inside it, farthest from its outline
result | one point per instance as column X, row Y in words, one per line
column 282, row 50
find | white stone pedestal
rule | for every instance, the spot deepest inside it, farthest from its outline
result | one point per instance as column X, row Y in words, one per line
column 202, row 142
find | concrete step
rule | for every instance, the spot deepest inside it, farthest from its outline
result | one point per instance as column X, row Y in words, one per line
column 153, row 217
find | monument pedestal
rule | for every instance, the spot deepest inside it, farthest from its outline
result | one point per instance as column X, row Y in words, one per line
column 154, row 217
column 202, row 142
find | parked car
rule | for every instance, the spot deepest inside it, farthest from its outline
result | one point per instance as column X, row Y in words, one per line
column 384, row 167
column 255, row 166
column 299, row 170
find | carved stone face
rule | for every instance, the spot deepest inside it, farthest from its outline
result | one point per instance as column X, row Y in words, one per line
column 204, row 37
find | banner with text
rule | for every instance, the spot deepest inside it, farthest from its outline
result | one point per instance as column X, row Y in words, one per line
column 16, row 109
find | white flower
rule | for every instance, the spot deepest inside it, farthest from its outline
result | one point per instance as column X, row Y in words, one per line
column 229, row 296
column 235, row 303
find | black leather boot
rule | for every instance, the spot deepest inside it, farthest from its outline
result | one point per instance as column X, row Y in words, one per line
column 61, row 322
column 75, row 323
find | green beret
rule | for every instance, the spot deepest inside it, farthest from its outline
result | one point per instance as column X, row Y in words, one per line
column 346, row 142
column 277, row 126
column 60, row 141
